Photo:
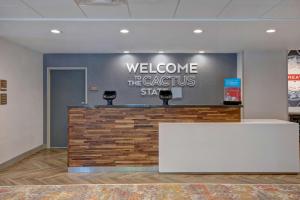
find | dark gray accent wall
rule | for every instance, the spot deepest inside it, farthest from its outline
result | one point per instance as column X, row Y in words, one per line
column 109, row 72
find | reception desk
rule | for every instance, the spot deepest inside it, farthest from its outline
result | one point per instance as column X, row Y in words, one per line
column 126, row 137
column 250, row 146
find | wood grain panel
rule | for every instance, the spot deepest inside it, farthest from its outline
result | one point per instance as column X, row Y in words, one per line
column 116, row 136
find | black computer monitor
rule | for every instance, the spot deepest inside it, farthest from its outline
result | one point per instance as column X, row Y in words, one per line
column 109, row 96
column 165, row 96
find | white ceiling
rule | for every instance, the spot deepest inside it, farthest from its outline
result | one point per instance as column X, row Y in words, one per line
column 248, row 9
column 229, row 25
column 153, row 9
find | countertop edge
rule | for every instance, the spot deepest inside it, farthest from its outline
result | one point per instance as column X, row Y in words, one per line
column 154, row 106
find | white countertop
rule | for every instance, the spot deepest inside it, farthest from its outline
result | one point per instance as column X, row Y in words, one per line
column 243, row 121
column 265, row 121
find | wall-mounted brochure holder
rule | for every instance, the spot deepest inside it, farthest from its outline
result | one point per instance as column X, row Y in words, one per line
column 3, row 85
column 3, row 99
column 3, row 90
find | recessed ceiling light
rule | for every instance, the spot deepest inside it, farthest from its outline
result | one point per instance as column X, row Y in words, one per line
column 55, row 31
column 201, row 51
column 126, row 51
column 124, row 31
column 198, row 31
column 271, row 30
column 161, row 52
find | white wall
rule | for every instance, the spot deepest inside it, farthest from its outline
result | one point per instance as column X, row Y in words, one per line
column 21, row 120
column 265, row 84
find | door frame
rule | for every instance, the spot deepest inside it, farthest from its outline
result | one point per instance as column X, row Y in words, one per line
column 49, row 69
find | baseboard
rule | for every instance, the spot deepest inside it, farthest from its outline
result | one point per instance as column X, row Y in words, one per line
column 21, row 157
column 124, row 169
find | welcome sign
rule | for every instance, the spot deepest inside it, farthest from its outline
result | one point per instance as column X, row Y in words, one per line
column 152, row 78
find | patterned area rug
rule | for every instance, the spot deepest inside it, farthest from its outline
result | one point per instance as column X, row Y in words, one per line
column 151, row 192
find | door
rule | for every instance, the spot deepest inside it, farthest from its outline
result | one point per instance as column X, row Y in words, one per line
column 67, row 88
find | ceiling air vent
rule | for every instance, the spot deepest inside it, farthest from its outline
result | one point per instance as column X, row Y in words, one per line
column 99, row 2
